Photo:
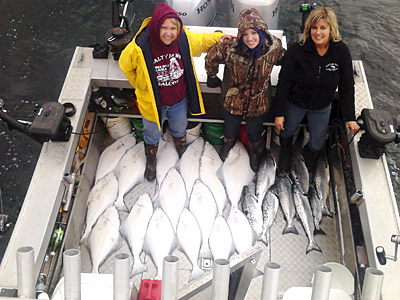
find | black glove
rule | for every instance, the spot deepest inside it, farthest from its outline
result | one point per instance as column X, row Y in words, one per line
column 213, row 81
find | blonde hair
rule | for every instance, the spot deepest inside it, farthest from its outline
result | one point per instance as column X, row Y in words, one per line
column 329, row 16
column 176, row 23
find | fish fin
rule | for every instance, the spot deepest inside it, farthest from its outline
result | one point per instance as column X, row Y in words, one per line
column 264, row 239
column 313, row 246
column 119, row 204
column 138, row 268
column 326, row 212
column 290, row 229
column 319, row 231
column 257, row 273
column 196, row 273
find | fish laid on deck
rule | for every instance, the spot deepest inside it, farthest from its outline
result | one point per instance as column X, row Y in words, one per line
column 270, row 207
column 265, row 176
column 167, row 156
column 321, row 182
column 243, row 234
column 251, row 208
column 221, row 241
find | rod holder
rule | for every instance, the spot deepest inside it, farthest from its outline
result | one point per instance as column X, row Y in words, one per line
column 121, row 286
column 372, row 286
column 220, row 281
column 169, row 285
column 25, row 272
column 270, row 281
column 72, row 274
column 322, row 283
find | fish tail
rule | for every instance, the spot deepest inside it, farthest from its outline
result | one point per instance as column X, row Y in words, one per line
column 290, row 229
column 319, row 231
column 196, row 273
column 205, row 251
column 95, row 269
column 84, row 237
column 313, row 246
column 120, row 205
column 326, row 212
column 138, row 268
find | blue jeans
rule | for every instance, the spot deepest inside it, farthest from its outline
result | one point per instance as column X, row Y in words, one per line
column 177, row 120
column 254, row 127
column 318, row 121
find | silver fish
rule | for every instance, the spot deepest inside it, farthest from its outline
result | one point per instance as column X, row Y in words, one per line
column 204, row 208
column 235, row 172
column 111, row 155
column 299, row 170
column 134, row 230
column 303, row 210
column 315, row 206
column 284, row 190
column 221, row 241
column 189, row 236
column 321, row 182
column 160, row 239
column 101, row 196
column 104, row 238
column 251, row 208
column 129, row 172
column 243, row 234
column 270, row 207
column 265, row 177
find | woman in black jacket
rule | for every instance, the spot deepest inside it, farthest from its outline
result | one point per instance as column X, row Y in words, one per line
column 311, row 71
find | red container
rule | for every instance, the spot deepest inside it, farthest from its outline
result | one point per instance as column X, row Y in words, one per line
column 150, row 290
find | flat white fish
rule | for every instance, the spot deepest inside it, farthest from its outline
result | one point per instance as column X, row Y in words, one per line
column 221, row 241
column 189, row 165
column 210, row 162
column 235, row 172
column 129, row 172
column 243, row 235
column 285, row 195
column 104, row 238
column 265, row 176
column 111, row 155
column 133, row 195
column 204, row 208
column 172, row 196
column 189, row 236
column 134, row 230
column 101, row 196
column 160, row 239
column 167, row 156
column 303, row 210
column 321, row 183
column 270, row 207
column 251, row 208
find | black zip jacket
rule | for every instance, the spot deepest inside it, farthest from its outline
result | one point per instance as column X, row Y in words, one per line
column 309, row 80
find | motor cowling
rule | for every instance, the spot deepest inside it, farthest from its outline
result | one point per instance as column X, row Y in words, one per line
column 380, row 129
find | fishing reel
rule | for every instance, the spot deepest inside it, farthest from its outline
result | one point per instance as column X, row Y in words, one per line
column 120, row 35
column 380, row 129
column 381, row 254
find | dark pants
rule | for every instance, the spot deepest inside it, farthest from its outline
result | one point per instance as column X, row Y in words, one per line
column 254, row 127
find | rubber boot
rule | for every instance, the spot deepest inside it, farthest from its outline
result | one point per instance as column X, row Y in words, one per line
column 226, row 146
column 310, row 158
column 285, row 154
column 255, row 151
column 180, row 144
column 151, row 152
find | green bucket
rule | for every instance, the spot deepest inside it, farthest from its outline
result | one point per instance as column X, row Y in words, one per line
column 138, row 125
column 214, row 132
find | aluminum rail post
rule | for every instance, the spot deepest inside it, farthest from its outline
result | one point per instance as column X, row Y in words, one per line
column 25, row 272
column 270, row 281
column 121, row 287
column 372, row 284
column 72, row 274
column 169, row 285
column 322, row 283
column 220, row 281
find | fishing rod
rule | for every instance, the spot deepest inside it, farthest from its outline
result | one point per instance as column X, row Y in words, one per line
column 5, row 223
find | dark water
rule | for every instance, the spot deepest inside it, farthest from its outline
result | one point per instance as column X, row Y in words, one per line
column 38, row 37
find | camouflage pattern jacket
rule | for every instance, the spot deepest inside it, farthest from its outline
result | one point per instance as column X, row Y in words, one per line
column 249, row 78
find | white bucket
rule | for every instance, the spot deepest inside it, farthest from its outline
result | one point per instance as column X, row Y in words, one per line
column 193, row 133
column 117, row 127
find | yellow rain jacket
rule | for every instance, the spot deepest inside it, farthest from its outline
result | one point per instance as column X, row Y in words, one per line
column 136, row 63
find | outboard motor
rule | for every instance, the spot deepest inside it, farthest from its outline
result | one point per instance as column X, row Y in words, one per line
column 195, row 12
column 268, row 9
column 380, row 129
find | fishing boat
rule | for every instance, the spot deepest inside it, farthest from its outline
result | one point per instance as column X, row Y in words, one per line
column 359, row 247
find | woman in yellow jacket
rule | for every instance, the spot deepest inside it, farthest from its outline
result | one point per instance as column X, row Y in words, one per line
column 158, row 64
